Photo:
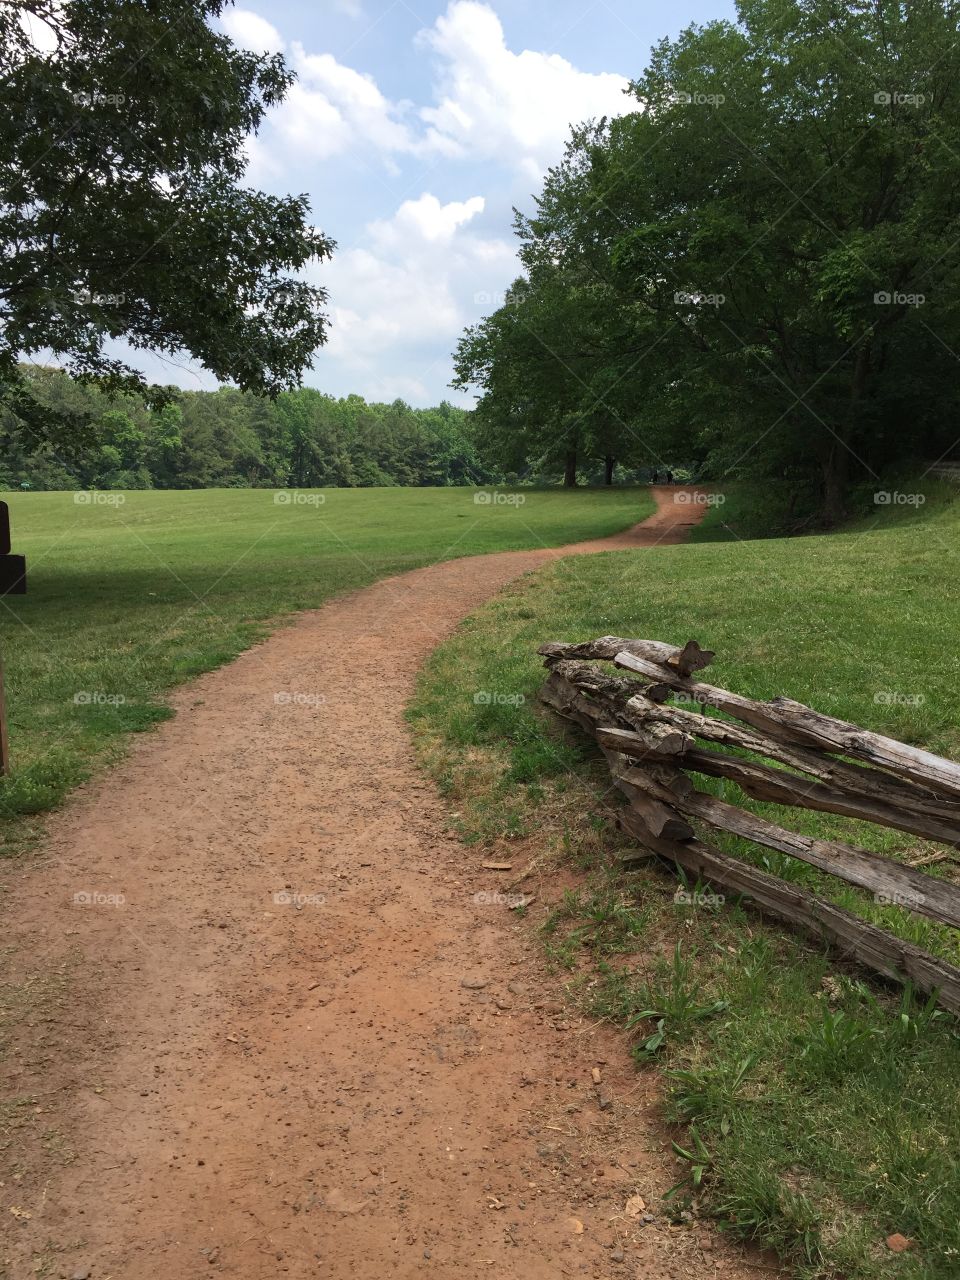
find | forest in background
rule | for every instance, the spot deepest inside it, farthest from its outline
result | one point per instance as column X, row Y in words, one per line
column 234, row 439
column 231, row 439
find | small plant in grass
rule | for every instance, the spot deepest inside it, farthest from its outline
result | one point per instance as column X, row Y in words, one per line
column 710, row 1091
column 764, row 1208
column 698, row 1160
column 562, row 952
column 915, row 1017
column 618, row 922
column 836, row 1044
column 675, row 1004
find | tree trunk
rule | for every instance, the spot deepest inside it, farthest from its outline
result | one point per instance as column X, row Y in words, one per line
column 835, row 484
column 608, row 465
column 570, row 469
column 836, row 464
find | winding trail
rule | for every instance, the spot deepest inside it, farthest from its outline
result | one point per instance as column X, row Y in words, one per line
column 299, row 1047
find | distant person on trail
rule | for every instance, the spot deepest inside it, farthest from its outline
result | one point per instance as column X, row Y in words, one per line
column 669, row 477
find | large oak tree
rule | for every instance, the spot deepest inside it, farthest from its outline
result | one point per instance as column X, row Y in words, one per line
column 123, row 213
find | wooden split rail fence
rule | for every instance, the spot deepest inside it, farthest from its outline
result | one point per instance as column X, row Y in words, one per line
column 653, row 747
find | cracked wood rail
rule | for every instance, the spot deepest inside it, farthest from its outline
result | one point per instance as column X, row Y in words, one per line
column 651, row 747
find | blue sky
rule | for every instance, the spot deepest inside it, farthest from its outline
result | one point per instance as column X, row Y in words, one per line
column 415, row 128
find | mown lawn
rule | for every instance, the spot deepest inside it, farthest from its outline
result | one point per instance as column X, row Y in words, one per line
column 819, row 1111
column 127, row 598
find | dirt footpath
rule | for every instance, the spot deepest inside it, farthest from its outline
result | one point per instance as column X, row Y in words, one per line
column 277, row 1036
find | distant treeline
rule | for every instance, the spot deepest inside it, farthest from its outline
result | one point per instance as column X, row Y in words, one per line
column 225, row 438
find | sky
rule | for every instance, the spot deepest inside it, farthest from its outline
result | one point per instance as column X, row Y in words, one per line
column 415, row 128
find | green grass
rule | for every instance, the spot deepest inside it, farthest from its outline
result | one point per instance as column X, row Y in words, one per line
column 816, row 1111
column 125, row 601
column 747, row 509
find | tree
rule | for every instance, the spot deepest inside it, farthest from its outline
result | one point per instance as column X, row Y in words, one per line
column 521, row 356
column 564, row 366
column 775, row 235
column 120, row 460
column 789, row 192
column 122, row 216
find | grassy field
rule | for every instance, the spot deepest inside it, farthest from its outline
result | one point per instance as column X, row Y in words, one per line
column 816, row 1111
column 131, row 593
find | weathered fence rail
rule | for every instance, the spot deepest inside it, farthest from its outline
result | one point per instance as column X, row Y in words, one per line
column 653, row 746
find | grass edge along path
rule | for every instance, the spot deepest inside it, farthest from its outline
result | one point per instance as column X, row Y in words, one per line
column 816, row 1111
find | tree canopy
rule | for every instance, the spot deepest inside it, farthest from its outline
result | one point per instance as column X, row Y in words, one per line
column 122, row 209
column 754, row 269
column 231, row 438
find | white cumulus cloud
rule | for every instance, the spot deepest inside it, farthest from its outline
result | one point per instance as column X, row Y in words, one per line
column 330, row 109
column 488, row 101
column 498, row 104
column 427, row 219
column 250, row 31
column 398, row 303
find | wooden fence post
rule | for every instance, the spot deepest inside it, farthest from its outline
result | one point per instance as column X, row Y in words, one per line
column 4, row 745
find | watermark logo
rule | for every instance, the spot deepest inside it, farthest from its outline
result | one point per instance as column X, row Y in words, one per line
column 690, row 698
column 493, row 498
column 894, row 698
column 884, row 99
column 486, row 298
column 94, row 898
column 886, row 498
column 97, row 698
column 96, row 498
column 907, row 899
column 893, row 298
column 86, row 298
column 698, row 99
column 486, row 698
column 288, row 898
column 94, row 98
column 684, row 299
column 290, row 699
column 298, row 498
column 494, row 898
column 686, row 898
column 684, row 497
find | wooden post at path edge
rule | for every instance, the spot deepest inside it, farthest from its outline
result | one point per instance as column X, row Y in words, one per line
column 13, row 581
column 4, row 746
